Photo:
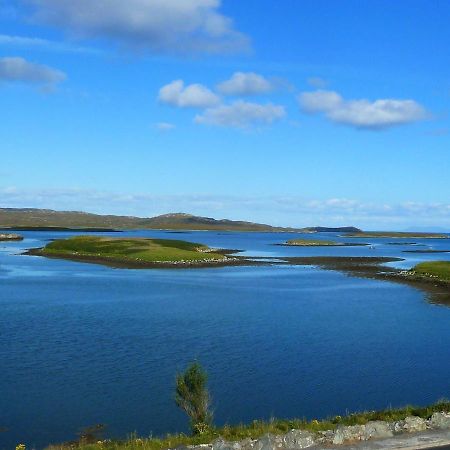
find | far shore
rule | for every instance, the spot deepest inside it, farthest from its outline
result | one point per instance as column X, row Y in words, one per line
column 50, row 228
column 396, row 234
column 319, row 243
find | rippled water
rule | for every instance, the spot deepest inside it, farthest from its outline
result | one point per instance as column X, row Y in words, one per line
column 82, row 344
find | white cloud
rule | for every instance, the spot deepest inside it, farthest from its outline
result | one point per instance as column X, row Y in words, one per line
column 378, row 114
column 164, row 126
column 241, row 114
column 42, row 44
column 15, row 69
column 317, row 82
column 320, row 101
column 161, row 26
column 245, row 83
column 191, row 96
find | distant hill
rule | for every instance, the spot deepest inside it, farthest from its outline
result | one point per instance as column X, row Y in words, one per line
column 27, row 218
column 331, row 230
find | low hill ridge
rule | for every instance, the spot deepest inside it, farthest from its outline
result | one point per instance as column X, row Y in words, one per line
column 47, row 218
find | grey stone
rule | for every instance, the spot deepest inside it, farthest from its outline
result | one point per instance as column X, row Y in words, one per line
column 220, row 444
column 440, row 420
column 349, row 434
column 377, row 429
column 247, row 444
column 269, row 442
column 325, row 437
column 298, row 439
column 411, row 424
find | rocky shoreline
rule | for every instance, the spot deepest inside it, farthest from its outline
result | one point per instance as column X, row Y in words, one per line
column 10, row 237
column 140, row 264
column 342, row 435
column 373, row 268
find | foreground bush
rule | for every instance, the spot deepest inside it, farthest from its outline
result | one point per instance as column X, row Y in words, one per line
column 192, row 396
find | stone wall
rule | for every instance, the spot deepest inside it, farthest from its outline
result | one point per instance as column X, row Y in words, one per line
column 299, row 439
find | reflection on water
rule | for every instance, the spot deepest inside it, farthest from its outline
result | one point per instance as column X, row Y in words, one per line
column 84, row 344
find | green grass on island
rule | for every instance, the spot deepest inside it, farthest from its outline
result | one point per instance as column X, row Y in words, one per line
column 132, row 251
column 398, row 234
column 434, row 269
column 311, row 242
column 253, row 430
column 318, row 243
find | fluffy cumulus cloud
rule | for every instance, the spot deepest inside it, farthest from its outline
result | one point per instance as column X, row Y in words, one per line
column 191, row 96
column 245, row 83
column 15, row 69
column 364, row 114
column 241, row 114
column 173, row 26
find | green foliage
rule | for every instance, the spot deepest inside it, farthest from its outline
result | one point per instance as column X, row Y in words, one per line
column 438, row 269
column 129, row 250
column 192, row 396
column 312, row 242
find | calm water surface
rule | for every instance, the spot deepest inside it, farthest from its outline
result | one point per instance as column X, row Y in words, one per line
column 82, row 344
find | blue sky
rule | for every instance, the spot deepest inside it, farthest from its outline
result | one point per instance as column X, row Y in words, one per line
column 292, row 113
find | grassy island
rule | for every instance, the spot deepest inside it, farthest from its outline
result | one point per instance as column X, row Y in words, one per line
column 317, row 243
column 398, row 234
column 439, row 270
column 133, row 252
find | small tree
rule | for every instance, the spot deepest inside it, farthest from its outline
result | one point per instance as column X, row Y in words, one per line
column 192, row 396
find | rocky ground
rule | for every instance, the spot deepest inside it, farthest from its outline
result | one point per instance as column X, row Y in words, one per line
column 410, row 433
column 10, row 237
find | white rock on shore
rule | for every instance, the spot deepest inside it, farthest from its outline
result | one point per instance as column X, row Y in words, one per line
column 10, row 237
column 300, row 439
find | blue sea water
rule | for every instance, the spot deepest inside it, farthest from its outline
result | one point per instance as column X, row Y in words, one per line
column 82, row 344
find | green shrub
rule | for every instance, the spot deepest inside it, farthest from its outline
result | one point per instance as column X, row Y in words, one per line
column 192, row 396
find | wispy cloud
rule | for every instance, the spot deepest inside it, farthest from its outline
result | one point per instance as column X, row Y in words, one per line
column 241, row 114
column 34, row 43
column 15, row 69
column 164, row 126
column 157, row 26
column 317, row 82
column 364, row 114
